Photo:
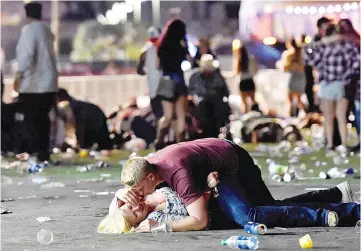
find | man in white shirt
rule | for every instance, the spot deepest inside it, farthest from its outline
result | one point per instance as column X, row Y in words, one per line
column 148, row 64
column 36, row 80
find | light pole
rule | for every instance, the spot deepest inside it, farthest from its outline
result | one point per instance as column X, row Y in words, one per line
column 156, row 12
column 55, row 23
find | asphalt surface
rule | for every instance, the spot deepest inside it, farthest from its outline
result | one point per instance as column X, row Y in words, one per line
column 78, row 214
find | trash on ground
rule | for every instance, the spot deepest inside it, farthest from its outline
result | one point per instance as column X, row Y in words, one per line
column 306, row 241
column 315, row 188
column 135, row 145
column 105, row 175
column 82, row 191
column 336, row 173
column 52, row 197
column 39, row 180
column 5, row 210
column 44, row 219
column 255, row 228
column 6, row 180
column 28, row 197
column 102, row 193
column 92, row 167
column 83, row 153
column 241, row 242
column 7, row 199
column 349, row 171
column 84, row 196
column 45, row 236
column 53, row 185
column 281, row 228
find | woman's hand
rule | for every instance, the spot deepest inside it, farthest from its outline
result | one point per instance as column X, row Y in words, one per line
column 212, row 179
column 146, row 226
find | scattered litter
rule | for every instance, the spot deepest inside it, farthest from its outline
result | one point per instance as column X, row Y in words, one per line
column 241, row 242
column 313, row 158
column 306, row 241
column 44, row 219
column 255, row 228
column 84, row 196
column 358, row 226
column 7, row 200
column 83, row 153
column 45, row 236
column 92, row 167
column 335, row 173
column 52, row 197
column 349, row 171
column 6, row 180
column 82, row 191
column 102, row 193
column 281, row 228
column 53, row 185
column 5, row 210
column 135, row 145
column 311, row 171
column 105, row 175
column 28, row 197
column 39, row 180
column 314, row 188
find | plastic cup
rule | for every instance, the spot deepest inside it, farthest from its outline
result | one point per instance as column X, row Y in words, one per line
column 45, row 236
column 358, row 226
column 306, row 241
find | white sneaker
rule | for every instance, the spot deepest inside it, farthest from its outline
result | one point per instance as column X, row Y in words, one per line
column 347, row 195
column 332, row 219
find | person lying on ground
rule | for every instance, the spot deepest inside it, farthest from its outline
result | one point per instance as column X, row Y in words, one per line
column 159, row 207
column 243, row 195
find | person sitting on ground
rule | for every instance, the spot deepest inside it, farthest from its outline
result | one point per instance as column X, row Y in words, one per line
column 88, row 122
column 243, row 195
column 209, row 92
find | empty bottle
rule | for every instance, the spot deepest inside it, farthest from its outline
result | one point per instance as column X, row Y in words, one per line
column 241, row 242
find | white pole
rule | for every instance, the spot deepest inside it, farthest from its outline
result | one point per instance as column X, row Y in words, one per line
column 55, row 23
column 156, row 12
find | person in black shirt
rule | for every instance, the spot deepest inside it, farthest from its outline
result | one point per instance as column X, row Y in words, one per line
column 90, row 122
column 172, row 51
column 202, row 49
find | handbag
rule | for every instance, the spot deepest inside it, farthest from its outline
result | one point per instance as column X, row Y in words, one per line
column 166, row 88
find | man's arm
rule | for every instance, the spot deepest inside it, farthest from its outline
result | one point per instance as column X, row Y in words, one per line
column 197, row 219
column 25, row 51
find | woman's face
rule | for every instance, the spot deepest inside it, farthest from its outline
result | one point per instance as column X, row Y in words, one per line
column 135, row 215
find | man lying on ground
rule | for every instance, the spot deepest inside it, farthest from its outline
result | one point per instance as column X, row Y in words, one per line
column 243, row 196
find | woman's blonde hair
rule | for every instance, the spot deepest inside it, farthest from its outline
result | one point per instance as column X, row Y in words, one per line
column 114, row 223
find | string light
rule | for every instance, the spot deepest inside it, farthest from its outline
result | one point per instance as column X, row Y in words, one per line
column 322, row 9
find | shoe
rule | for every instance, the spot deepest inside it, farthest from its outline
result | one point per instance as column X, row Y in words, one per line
column 347, row 195
column 332, row 219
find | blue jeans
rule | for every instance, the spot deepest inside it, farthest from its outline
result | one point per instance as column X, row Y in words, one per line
column 235, row 205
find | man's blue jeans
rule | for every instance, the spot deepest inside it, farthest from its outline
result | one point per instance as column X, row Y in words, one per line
column 233, row 202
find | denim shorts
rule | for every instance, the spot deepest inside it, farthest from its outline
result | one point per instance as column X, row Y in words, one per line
column 181, row 88
column 332, row 90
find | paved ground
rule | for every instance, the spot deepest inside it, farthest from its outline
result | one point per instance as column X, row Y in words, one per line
column 77, row 219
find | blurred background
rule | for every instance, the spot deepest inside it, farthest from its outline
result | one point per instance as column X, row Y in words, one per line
column 94, row 36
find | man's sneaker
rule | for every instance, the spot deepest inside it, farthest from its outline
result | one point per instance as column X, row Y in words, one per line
column 347, row 195
column 332, row 219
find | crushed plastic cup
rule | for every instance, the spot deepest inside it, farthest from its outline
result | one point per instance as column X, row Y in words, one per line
column 45, row 236
column 306, row 241
column 53, row 185
column 358, row 226
column 44, row 219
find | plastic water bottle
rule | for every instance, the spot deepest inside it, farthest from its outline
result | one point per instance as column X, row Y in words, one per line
column 241, row 242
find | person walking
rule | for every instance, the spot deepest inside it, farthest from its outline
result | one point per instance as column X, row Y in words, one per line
column 36, row 80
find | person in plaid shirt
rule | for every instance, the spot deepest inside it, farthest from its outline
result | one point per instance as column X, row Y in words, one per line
column 337, row 62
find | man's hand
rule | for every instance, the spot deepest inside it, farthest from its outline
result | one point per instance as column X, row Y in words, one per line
column 146, row 226
column 129, row 195
column 212, row 179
